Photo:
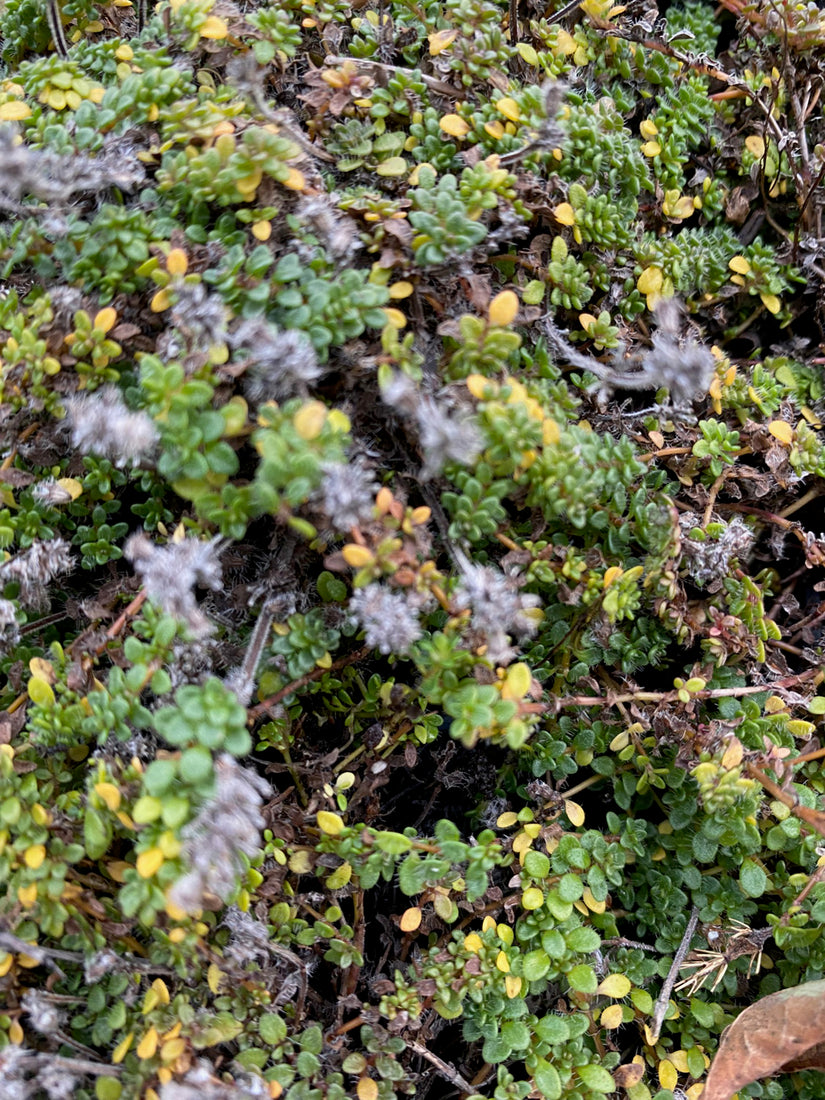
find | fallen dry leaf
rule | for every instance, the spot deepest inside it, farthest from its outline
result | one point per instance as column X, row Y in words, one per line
column 781, row 1033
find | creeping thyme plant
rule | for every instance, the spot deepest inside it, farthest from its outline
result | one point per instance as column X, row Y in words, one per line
column 410, row 531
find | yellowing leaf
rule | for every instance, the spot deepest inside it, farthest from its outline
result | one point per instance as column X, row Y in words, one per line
column 650, row 281
column 611, row 574
column 40, row 692
column 262, row 231
column 339, row 877
column 34, row 855
column 400, row 289
column 367, row 1089
column 564, row 214
column 504, row 308
column 149, row 863
column 611, row 1017
column 651, row 149
column 755, row 144
column 357, row 556
column 441, row 40
column 393, row 167
column 668, row 1075
column 410, row 919
column 740, row 265
column 532, row 898
column 395, row 317
column 590, row 901
column 512, row 986
column 517, row 681
column 473, row 943
column 648, row 128
column 294, row 180
column 732, row 756
column 109, row 794
column 614, row 985
column 105, row 319
column 43, row 669
column 71, row 486
column 771, row 302
column 122, row 1048
column 502, row 963
column 160, row 301
column 330, row 823
column 300, row 863
column 14, row 111
column 574, row 812
column 148, row 1045
column 527, row 53
column 214, row 28
column 782, row 431
column 506, row 820
column 214, row 978
column 509, row 108
column 309, row 420
column 454, row 125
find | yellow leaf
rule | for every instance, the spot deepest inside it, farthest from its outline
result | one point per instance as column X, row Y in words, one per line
column 591, row 903
column 400, row 290
column 392, row 167
column 214, row 28
column 357, row 556
column 395, row 317
column 771, row 302
column 339, row 877
column 668, row 1076
column 564, row 214
column 527, row 53
column 441, row 40
column 172, row 1050
column 122, row 1048
column 651, row 149
column 294, row 180
column 504, row 308
column 574, row 812
column 148, row 1044
column 214, row 977
column 679, row 1059
column 614, row 985
column 40, row 692
column 43, row 669
column 648, row 128
column 149, row 863
column 494, row 129
column 473, row 943
column 611, row 1017
column 479, row 386
column 309, row 420
column 108, row 793
column 160, row 301
column 611, row 574
column 782, row 431
column 517, row 681
column 71, row 485
column 740, row 265
column 34, row 855
column 455, row 126
column 300, row 863
column 506, row 820
column 16, row 1034
column 755, row 144
column 262, row 231
column 509, row 108
column 550, row 433
column 330, row 823
column 532, row 898
column 177, row 262
column 732, row 756
column 502, row 963
column 14, row 111
column 410, row 919
column 105, row 319
column 650, row 281
column 367, row 1089
column 512, row 986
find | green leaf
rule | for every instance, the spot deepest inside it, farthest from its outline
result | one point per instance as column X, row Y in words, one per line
column 547, row 1080
column 752, row 879
column 596, row 1078
column 535, row 965
column 582, row 979
column 537, row 865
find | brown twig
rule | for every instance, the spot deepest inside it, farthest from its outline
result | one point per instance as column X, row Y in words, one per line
column 663, row 1000
column 302, row 681
column 446, row 1071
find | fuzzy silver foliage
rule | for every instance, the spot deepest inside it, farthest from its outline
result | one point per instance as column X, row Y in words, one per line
column 442, row 437
column 497, row 606
column 391, row 625
column 347, row 493
column 34, row 568
column 101, row 424
column 199, row 1083
column 707, row 561
column 227, row 828
column 281, row 362
column 170, row 573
